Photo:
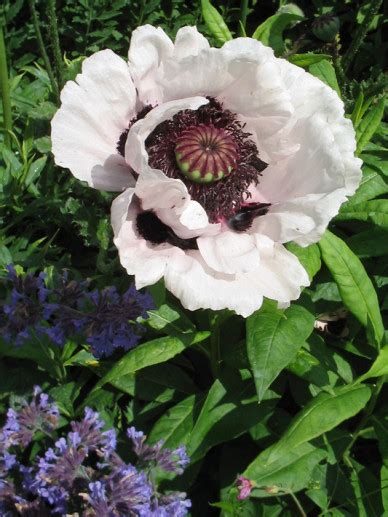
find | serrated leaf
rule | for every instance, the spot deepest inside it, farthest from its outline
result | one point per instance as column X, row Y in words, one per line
column 309, row 257
column 273, row 339
column 354, row 285
column 215, row 22
column 369, row 124
column 305, row 60
column 324, row 70
column 270, row 32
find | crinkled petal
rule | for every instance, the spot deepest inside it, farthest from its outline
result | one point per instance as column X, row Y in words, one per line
column 189, row 42
column 171, row 202
column 96, row 108
column 307, row 186
column 281, row 275
column 149, row 47
column 230, row 252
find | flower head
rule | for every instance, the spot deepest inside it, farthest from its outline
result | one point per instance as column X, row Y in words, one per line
column 25, row 310
column 108, row 324
column 244, row 486
column 234, row 152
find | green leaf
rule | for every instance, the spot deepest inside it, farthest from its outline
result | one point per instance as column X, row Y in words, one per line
column 324, row 70
column 370, row 243
column 153, row 352
column 309, row 257
column 270, row 32
column 273, row 340
column 215, row 23
column 177, row 423
column 371, row 186
column 323, row 413
column 375, row 211
column 227, row 412
column 379, row 367
column 35, row 169
column 369, row 124
column 381, row 430
column 354, row 285
column 305, row 60
column 290, row 472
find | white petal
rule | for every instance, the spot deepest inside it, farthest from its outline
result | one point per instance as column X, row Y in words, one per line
column 188, row 42
column 135, row 152
column 147, row 262
column 318, row 168
column 171, row 202
column 199, row 287
column 230, row 252
column 149, row 47
column 95, row 110
column 281, row 275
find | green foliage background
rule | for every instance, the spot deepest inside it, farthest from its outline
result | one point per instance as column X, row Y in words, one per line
column 301, row 413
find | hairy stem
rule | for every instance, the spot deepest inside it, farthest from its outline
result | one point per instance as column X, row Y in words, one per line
column 372, row 9
column 54, row 36
column 42, row 49
column 5, row 94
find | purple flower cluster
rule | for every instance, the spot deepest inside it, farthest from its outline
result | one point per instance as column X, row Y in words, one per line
column 106, row 319
column 82, row 471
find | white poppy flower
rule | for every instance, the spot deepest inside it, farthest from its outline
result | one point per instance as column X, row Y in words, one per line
column 235, row 153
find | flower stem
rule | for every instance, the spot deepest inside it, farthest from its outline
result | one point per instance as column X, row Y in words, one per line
column 371, row 10
column 5, row 94
column 243, row 17
column 297, row 503
column 54, row 36
column 42, row 49
column 366, row 416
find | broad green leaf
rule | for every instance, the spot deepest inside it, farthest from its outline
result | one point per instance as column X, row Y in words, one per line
column 379, row 367
column 176, row 425
column 273, row 340
column 170, row 320
column 372, row 185
column 290, row 472
column 369, row 124
column 215, row 23
column 324, row 70
column 309, row 257
column 270, row 32
column 153, row 352
column 229, row 410
column 323, row 413
column 354, row 285
column 305, row 60
column 369, row 243
column 375, row 211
